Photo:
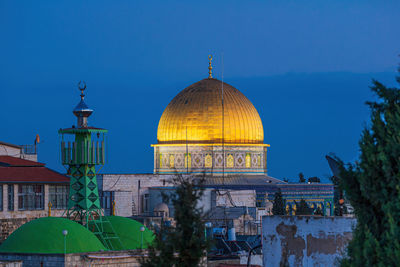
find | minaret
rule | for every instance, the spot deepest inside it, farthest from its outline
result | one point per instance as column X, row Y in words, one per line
column 85, row 151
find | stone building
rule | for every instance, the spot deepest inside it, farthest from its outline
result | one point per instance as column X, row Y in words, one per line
column 26, row 189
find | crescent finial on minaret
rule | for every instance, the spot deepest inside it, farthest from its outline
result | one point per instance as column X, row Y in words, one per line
column 82, row 87
column 82, row 111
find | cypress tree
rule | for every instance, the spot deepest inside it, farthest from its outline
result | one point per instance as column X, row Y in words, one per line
column 372, row 185
column 279, row 205
column 185, row 243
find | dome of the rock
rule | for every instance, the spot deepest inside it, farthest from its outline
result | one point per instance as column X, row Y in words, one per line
column 210, row 128
column 194, row 116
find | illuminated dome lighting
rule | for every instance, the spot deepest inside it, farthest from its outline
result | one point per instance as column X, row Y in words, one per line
column 194, row 116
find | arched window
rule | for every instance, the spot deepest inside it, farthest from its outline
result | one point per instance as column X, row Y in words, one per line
column 229, row 161
column 208, row 161
column 171, row 161
column 294, row 209
column 188, row 160
column 248, row 160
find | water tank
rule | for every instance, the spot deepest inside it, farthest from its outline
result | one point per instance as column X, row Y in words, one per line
column 231, row 234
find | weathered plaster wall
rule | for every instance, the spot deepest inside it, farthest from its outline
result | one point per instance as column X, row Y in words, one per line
column 237, row 198
column 6, row 150
column 304, row 240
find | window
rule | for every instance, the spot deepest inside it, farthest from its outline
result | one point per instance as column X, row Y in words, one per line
column 229, row 161
column 30, row 197
column 208, row 161
column 248, row 160
column 171, row 161
column 145, row 203
column 106, row 199
column 188, row 160
column 58, row 196
column 10, row 197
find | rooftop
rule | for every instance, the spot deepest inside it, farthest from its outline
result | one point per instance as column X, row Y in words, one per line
column 16, row 170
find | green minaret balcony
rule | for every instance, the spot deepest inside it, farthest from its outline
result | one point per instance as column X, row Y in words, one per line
column 83, row 150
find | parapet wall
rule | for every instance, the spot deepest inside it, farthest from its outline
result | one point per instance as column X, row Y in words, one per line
column 305, row 240
column 96, row 259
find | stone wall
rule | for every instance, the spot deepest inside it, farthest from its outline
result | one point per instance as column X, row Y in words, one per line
column 236, row 198
column 217, row 263
column 35, row 260
column 130, row 188
column 304, row 240
column 10, row 263
column 103, row 259
column 16, row 151
column 8, row 226
column 112, row 259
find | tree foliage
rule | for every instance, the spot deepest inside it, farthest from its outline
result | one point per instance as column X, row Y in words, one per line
column 301, row 178
column 319, row 212
column 279, row 205
column 314, row 180
column 302, row 208
column 185, row 243
column 372, row 185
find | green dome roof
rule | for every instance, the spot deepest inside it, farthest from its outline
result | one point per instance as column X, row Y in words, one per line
column 128, row 231
column 44, row 235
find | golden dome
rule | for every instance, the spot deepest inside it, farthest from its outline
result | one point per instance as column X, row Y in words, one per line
column 194, row 116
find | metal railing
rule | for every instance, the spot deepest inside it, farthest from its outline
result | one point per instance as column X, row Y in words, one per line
column 29, row 149
column 82, row 153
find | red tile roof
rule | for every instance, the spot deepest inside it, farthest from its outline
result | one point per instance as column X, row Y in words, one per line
column 17, row 162
column 15, row 170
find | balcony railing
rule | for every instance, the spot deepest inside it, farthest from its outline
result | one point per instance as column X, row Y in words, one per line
column 29, row 149
column 82, row 153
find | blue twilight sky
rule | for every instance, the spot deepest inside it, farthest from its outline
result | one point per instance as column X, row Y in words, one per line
column 305, row 65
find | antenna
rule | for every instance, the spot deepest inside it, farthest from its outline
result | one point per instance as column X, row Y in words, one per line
column 187, row 153
column 223, row 119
